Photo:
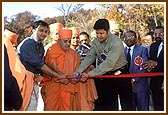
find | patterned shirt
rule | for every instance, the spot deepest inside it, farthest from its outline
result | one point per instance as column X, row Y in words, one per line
column 82, row 50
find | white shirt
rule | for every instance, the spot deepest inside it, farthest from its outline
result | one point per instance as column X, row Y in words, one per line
column 159, row 49
column 131, row 51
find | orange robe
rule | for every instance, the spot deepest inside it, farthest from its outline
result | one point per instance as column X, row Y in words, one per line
column 25, row 79
column 70, row 97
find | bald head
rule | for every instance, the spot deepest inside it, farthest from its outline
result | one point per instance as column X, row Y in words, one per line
column 54, row 28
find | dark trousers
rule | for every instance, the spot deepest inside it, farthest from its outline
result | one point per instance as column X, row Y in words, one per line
column 157, row 93
column 141, row 101
column 108, row 90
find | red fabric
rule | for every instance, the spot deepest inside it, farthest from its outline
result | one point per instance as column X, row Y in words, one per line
column 25, row 79
column 150, row 74
column 71, row 97
column 65, row 33
column 27, row 89
column 67, row 62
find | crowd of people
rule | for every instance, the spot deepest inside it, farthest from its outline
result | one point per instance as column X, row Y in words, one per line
column 66, row 67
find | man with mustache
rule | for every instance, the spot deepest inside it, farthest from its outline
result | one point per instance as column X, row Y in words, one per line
column 156, row 64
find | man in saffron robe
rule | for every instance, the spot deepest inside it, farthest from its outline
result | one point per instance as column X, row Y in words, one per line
column 75, row 37
column 24, row 78
column 72, row 96
column 54, row 28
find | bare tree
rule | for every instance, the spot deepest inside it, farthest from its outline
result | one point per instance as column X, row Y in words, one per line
column 66, row 9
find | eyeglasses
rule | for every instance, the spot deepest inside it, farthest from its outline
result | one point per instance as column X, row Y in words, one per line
column 159, row 34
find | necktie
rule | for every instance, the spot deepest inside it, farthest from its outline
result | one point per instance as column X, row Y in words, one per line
column 128, row 57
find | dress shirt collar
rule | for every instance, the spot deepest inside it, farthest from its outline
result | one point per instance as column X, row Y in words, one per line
column 132, row 47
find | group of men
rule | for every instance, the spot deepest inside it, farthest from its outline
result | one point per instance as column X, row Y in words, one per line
column 65, row 77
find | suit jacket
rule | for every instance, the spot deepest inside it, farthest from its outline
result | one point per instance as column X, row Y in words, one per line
column 141, row 83
column 156, row 82
column 159, row 59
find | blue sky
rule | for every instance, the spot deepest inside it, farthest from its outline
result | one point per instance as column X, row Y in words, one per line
column 42, row 9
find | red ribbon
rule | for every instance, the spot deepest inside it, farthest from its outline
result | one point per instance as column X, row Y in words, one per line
column 150, row 74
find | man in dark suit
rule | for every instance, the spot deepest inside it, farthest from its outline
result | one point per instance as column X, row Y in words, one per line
column 156, row 64
column 138, row 55
column 12, row 96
